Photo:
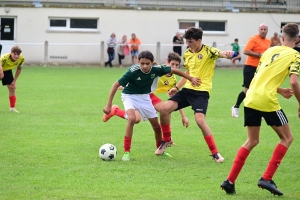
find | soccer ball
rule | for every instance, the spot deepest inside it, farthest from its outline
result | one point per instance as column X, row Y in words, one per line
column 108, row 152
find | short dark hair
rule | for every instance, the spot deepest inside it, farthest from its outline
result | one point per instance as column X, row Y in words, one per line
column 193, row 33
column 147, row 55
column 174, row 56
column 16, row 49
column 291, row 30
column 236, row 40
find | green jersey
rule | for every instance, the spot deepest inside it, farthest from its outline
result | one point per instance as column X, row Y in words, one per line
column 135, row 81
column 235, row 47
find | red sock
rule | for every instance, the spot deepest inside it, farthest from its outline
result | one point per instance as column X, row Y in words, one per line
column 276, row 158
column 127, row 144
column 12, row 101
column 238, row 164
column 166, row 130
column 211, row 144
column 120, row 113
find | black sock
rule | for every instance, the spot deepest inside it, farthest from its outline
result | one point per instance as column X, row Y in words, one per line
column 240, row 99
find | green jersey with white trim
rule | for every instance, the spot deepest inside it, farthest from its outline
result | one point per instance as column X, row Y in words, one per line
column 135, row 81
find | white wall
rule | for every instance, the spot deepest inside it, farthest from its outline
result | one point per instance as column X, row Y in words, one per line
column 150, row 26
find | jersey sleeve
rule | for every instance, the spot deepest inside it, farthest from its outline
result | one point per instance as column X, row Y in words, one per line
column 213, row 52
column 124, row 80
column 295, row 66
column 250, row 44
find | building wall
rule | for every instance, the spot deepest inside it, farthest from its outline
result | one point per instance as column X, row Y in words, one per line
column 150, row 26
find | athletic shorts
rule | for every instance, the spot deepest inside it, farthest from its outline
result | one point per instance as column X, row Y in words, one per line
column 8, row 77
column 248, row 73
column 140, row 102
column 155, row 100
column 253, row 117
column 134, row 52
column 188, row 97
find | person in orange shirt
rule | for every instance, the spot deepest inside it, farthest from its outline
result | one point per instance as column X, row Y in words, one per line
column 254, row 48
column 134, row 42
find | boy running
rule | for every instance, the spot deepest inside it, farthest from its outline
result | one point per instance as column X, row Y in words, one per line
column 165, row 83
column 261, row 101
column 199, row 60
column 137, row 82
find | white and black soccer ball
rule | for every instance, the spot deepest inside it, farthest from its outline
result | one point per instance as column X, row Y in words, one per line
column 108, row 152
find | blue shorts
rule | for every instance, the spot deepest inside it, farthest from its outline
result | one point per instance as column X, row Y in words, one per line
column 188, row 97
column 134, row 52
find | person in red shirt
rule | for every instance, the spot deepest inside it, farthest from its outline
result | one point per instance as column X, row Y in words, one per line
column 254, row 48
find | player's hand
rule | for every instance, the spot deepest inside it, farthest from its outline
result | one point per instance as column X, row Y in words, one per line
column 107, row 109
column 1, row 75
column 286, row 92
column 13, row 85
column 229, row 54
column 172, row 91
column 196, row 81
column 185, row 122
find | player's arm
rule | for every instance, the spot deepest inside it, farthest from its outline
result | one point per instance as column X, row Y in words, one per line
column 1, row 70
column 226, row 54
column 285, row 92
column 17, row 74
column 112, row 93
column 177, row 87
column 193, row 80
column 184, row 119
column 296, row 89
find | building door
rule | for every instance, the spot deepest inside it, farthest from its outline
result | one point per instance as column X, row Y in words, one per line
column 7, row 28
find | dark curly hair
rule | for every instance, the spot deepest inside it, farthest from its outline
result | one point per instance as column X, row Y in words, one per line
column 193, row 33
column 147, row 55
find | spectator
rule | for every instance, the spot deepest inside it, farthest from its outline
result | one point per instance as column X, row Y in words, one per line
column 123, row 49
column 254, row 48
column 236, row 55
column 178, row 40
column 275, row 40
column 111, row 43
column 135, row 42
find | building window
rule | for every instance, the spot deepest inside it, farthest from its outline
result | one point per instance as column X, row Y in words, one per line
column 284, row 23
column 73, row 24
column 208, row 27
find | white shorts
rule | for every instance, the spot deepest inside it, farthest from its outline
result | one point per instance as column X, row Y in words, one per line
column 140, row 102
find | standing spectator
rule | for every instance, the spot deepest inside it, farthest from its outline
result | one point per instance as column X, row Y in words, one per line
column 236, row 55
column 135, row 42
column 275, row 40
column 199, row 61
column 178, row 40
column 261, row 101
column 8, row 62
column 254, row 48
column 111, row 43
column 122, row 49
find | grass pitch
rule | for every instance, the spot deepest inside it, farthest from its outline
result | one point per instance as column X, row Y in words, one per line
column 50, row 149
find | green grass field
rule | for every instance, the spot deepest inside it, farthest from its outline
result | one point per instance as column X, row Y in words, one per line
column 50, row 149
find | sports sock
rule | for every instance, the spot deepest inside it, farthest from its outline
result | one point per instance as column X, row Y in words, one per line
column 238, row 164
column 276, row 158
column 158, row 143
column 12, row 101
column 127, row 144
column 240, row 99
column 166, row 130
column 211, row 144
column 120, row 113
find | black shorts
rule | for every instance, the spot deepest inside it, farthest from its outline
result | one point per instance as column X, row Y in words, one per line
column 248, row 73
column 254, row 117
column 8, row 77
column 187, row 97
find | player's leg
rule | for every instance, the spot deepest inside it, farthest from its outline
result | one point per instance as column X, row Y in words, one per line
column 248, row 74
column 253, row 123
column 7, row 80
column 280, row 125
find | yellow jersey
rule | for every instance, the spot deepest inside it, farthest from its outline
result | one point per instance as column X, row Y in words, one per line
column 201, row 65
column 165, row 83
column 274, row 66
column 8, row 64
